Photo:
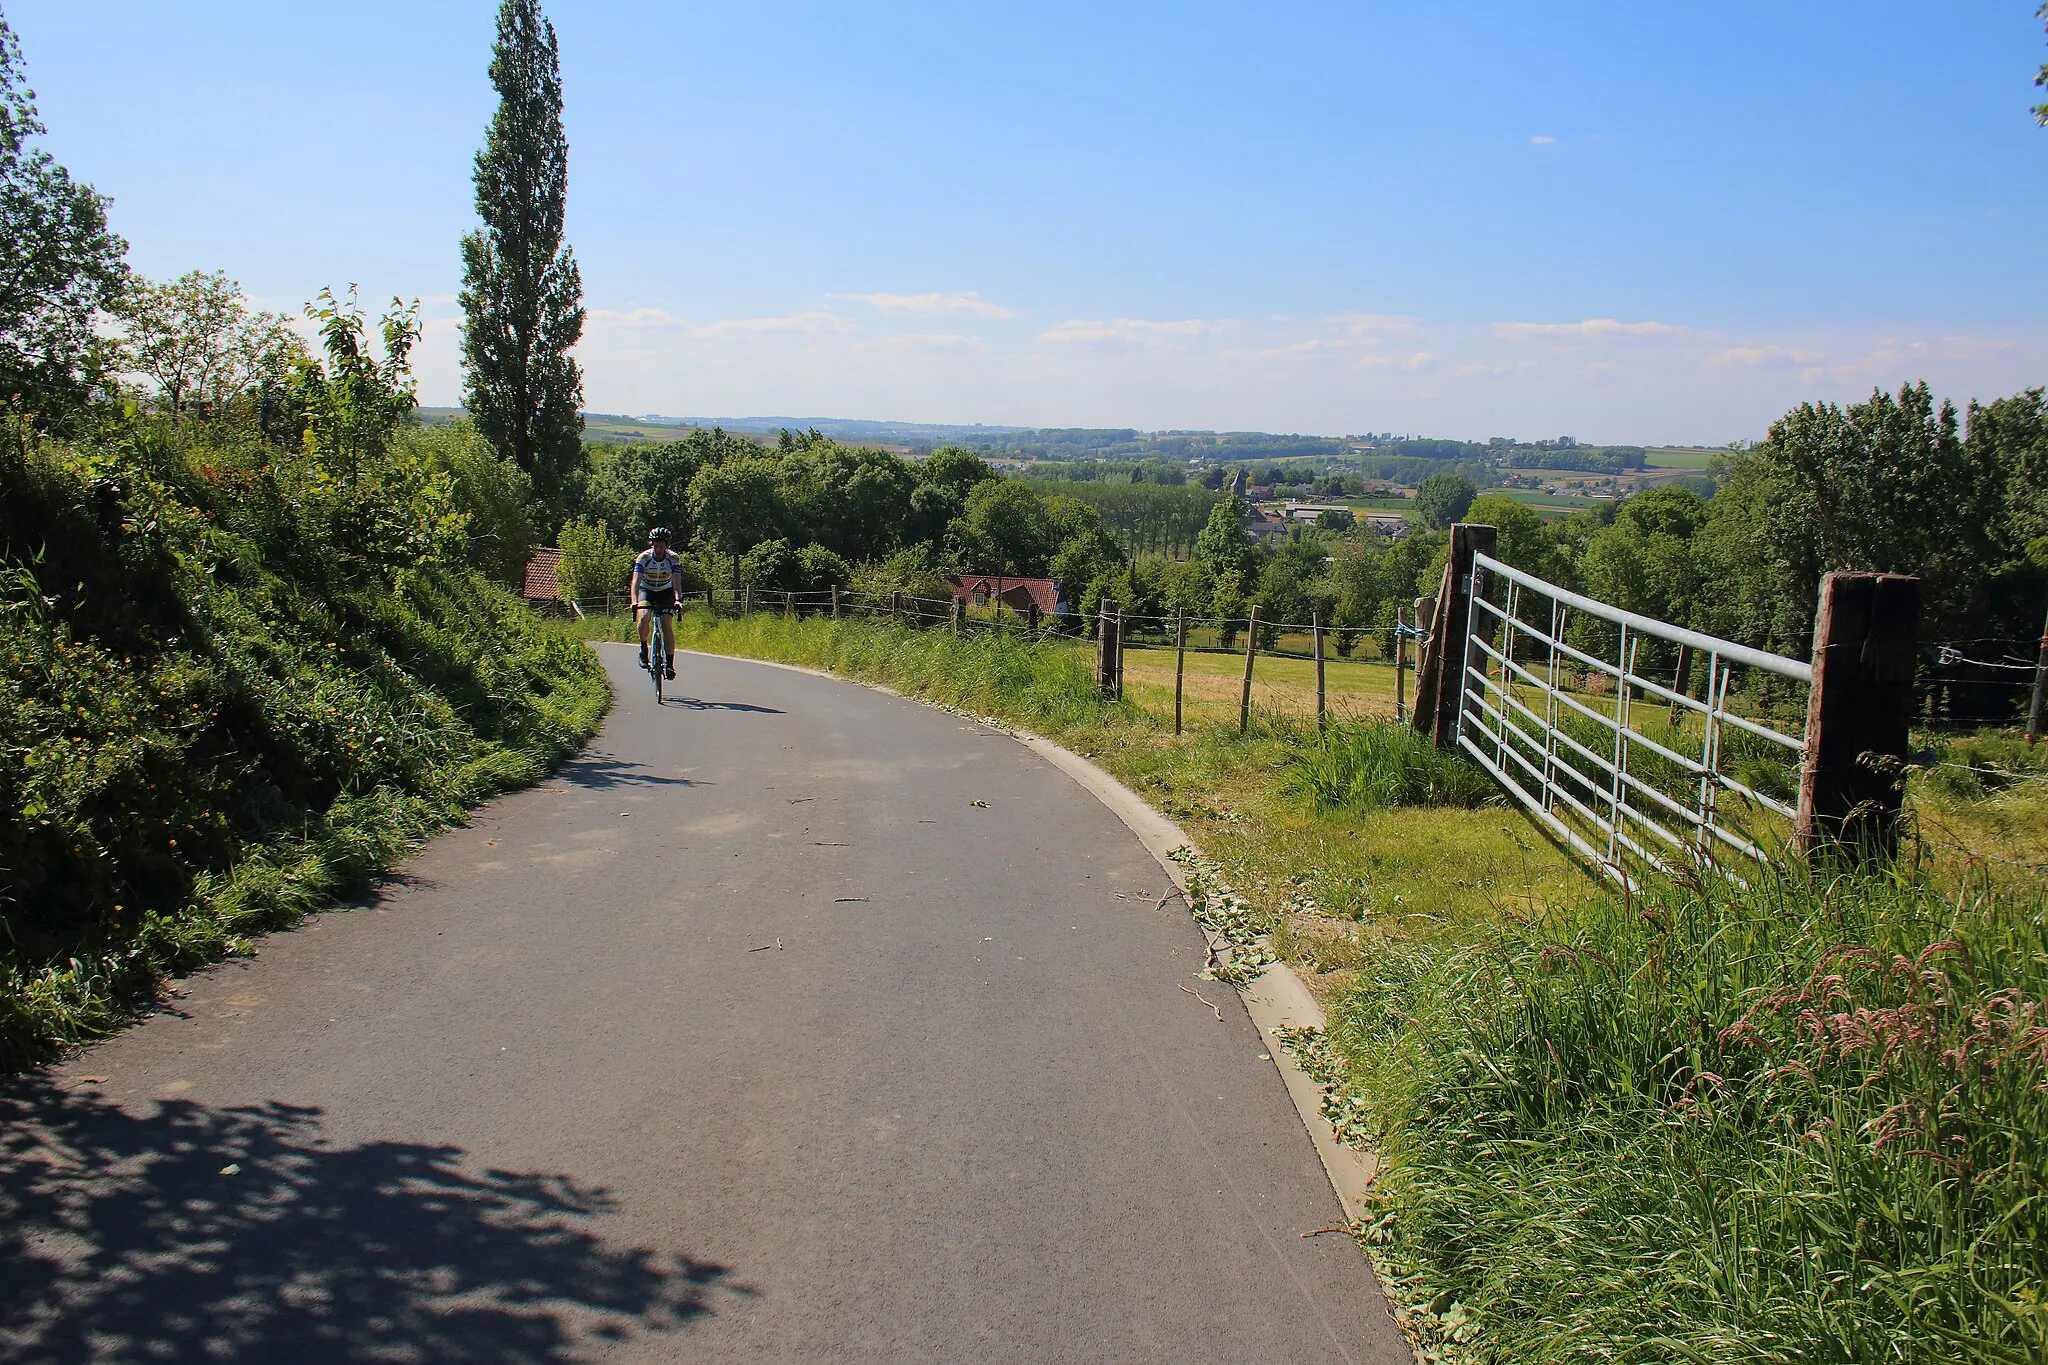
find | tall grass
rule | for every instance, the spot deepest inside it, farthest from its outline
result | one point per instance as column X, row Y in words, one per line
column 1375, row 765
column 1805, row 1121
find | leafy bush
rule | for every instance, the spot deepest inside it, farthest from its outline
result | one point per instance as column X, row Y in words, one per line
column 1374, row 764
column 212, row 721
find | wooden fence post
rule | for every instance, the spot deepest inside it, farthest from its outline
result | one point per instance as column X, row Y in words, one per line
column 789, row 604
column 1117, row 623
column 2040, row 690
column 1251, row 645
column 1682, row 680
column 1440, row 681
column 835, row 601
column 959, row 616
column 1031, row 619
column 1322, row 708
column 747, row 600
column 1180, row 662
column 1105, row 648
column 1865, row 647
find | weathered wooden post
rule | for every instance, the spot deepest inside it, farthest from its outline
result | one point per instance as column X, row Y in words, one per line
column 835, row 601
column 789, row 605
column 1117, row 622
column 895, row 605
column 1105, row 648
column 1180, row 662
column 1251, row 645
column 1865, row 647
column 1682, row 681
column 1447, row 655
column 959, row 616
column 1031, row 618
column 747, row 600
column 2040, row 690
column 1322, row 709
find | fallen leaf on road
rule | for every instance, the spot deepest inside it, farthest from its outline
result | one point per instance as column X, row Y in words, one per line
column 982, row 804
column 87, row 1080
column 830, row 843
column 231, row 1169
column 847, row 900
column 799, row 800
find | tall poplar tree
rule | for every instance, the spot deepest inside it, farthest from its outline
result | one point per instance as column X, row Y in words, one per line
column 521, row 292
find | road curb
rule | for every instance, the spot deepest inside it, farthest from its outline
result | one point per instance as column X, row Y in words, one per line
column 1275, row 998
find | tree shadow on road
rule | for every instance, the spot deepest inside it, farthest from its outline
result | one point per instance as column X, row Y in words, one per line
column 121, row 1238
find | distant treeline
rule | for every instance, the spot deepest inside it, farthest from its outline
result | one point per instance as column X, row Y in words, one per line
column 1124, row 445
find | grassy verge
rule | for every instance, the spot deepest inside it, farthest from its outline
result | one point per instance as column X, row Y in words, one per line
column 1800, row 1122
column 201, row 740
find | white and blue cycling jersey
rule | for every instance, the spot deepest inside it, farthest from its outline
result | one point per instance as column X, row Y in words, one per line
column 657, row 573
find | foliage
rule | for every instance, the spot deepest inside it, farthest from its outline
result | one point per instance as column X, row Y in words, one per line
column 195, row 338
column 1441, row 500
column 594, row 561
column 736, row 504
column 641, row 487
column 209, row 726
column 59, row 266
column 493, row 496
column 522, row 295
column 1221, row 544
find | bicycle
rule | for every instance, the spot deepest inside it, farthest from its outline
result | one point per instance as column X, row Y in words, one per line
column 657, row 651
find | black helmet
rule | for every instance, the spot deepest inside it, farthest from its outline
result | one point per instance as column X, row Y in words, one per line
column 658, row 533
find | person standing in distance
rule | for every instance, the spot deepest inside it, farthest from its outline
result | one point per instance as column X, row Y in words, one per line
column 652, row 591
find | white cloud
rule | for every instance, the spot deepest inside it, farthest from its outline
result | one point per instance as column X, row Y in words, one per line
column 967, row 303
column 1543, row 140
column 605, row 321
column 1132, row 330
column 1589, row 330
column 1364, row 324
column 1753, row 356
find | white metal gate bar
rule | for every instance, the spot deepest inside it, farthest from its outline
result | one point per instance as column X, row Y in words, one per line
column 1587, row 793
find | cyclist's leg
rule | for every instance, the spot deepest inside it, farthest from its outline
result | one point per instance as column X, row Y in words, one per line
column 668, row 638
column 646, row 624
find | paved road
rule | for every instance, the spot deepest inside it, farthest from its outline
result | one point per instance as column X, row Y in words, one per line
column 793, row 1021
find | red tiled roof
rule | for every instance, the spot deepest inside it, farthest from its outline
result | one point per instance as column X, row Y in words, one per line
column 1019, row 594
column 541, row 583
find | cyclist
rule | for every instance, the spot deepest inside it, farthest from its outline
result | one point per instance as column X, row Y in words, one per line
column 652, row 591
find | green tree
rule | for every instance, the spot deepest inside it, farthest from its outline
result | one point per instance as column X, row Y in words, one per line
column 1221, row 543
column 493, row 495
column 1339, row 519
column 197, row 340
column 1003, row 529
column 522, row 296
column 59, row 265
column 1441, row 500
column 736, row 505
column 594, row 562
column 1885, row 485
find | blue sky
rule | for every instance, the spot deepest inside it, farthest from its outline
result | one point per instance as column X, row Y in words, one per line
column 1626, row 222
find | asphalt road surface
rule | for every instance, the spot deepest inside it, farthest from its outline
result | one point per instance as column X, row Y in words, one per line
column 791, row 1021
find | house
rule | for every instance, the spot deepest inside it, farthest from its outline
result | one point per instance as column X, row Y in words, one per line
column 1309, row 511
column 1387, row 524
column 543, row 582
column 1020, row 595
column 1261, row 525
